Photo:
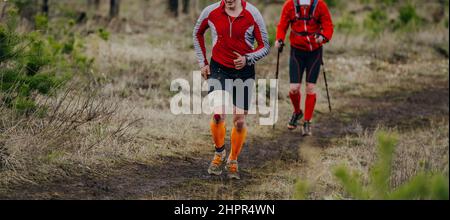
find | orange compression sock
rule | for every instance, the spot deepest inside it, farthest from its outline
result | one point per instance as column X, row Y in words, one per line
column 237, row 142
column 218, row 131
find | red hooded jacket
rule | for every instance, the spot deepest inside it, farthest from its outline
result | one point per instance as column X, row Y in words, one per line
column 303, row 31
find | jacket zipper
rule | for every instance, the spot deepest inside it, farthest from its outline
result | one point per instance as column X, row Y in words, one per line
column 306, row 30
column 231, row 25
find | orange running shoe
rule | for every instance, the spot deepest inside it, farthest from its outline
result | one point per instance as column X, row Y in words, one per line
column 216, row 163
column 233, row 170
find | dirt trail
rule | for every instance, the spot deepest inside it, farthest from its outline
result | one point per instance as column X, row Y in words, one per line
column 184, row 177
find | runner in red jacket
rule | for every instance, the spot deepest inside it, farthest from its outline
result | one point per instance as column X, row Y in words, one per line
column 236, row 26
column 311, row 27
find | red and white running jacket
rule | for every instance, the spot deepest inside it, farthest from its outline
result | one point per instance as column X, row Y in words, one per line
column 231, row 35
column 303, row 31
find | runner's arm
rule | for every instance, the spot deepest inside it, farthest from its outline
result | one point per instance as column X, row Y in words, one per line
column 199, row 39
column 262, row 38
column 284, row 22
column 325, row 21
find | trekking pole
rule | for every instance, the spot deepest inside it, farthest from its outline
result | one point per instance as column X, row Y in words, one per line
column 326, row 85
column 280, row 50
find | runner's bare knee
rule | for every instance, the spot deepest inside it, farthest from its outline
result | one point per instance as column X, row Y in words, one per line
column 219, row 114
column 239, row 121
column 295, row 88
column 310, row 88
column 218, row 118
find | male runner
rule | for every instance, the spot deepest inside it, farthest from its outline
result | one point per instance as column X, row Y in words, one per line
column 311, row 27
column 235, row 26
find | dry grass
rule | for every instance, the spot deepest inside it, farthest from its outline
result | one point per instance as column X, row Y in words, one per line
column 428, row 150
column 418, row 150
column 78, row 131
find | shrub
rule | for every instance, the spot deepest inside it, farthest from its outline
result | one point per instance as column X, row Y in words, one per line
column 425, row 185
column 346, row 24
column 8, row 42
column 408, row 14
column 301, row 189
column 36, row 57
column 29, row 62
column 408, row 19
column 40, row 22
column 376, row 21
column 24, row 105
column 103, row 34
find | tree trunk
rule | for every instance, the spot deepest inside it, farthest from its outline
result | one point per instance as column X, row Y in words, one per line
column 173, row 7
column 45, row 7
column 114, row 8
column 186, row 6
column 3, row 9
column 97, row 4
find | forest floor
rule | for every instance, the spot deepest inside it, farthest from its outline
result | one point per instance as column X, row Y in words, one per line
column 270, row 165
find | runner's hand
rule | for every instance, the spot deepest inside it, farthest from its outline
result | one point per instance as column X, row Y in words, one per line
column 278, row 44
column 319, row 39
column 240, row 62
column 206, row 72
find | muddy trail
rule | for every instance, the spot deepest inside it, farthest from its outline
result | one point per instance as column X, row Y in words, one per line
column 264, row 158
column 185, row 177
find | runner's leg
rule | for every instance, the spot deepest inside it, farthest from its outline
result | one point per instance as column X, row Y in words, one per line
column 313, row 70
column 238, row 133
column 216, row 83
column 296, row 70
column 218, row 128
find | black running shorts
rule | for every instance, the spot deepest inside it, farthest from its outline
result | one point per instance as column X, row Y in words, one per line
column 302, row 61
column 242, row 92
